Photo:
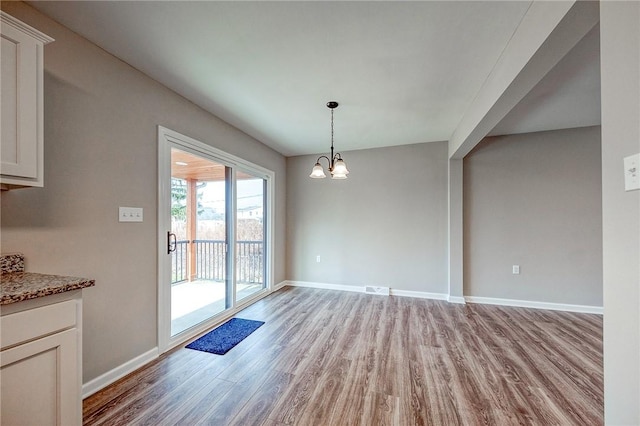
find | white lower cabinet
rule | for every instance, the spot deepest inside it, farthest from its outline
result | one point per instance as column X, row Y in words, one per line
column 40, row 365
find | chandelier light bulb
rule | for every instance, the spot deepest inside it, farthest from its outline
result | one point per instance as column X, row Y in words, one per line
column 340, row 168
column 317, row 172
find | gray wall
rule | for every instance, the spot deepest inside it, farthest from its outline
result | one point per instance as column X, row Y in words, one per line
column 534, row 200
column 101, row 153
column 386, row 225
column 620, row 71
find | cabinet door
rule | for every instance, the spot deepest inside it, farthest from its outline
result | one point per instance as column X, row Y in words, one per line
column 19, row 81
column 39, row 382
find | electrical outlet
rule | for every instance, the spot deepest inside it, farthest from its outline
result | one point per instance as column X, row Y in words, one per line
column 632, row 172
column 318, row 258
column 516, row 269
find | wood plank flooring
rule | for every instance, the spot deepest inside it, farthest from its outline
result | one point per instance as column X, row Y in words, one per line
column 338, row 358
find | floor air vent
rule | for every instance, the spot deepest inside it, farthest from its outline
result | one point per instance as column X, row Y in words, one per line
column 383, row 291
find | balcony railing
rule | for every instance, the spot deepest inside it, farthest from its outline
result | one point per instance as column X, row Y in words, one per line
column 210, row 261
column 179, row 268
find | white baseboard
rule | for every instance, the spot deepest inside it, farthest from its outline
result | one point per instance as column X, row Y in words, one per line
column 361, row 289
column 585, row 309
column 456, row 299
column 119, row 372
column 279, row 285
column 325, row 286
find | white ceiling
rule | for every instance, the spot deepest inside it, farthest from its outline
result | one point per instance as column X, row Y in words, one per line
column 403, row 72
column 567, row 97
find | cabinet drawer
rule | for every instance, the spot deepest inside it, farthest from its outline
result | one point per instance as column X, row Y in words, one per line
column 28, row 325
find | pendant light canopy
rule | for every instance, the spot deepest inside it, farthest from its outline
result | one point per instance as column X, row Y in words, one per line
column 337, row 166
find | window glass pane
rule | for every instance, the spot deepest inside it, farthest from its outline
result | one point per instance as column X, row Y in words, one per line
column 198, row 221
column 250, row 235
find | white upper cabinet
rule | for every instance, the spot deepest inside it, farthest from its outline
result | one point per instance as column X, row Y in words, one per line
column 21, row 82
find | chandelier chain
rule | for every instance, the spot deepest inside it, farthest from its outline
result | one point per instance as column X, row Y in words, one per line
column 332, row 128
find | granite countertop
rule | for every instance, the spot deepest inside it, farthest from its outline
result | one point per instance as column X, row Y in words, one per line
column 19, row 286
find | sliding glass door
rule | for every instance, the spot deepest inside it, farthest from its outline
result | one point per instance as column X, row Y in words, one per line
column 214, row 238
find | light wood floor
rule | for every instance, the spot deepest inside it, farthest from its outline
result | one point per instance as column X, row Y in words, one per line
column 337, row 358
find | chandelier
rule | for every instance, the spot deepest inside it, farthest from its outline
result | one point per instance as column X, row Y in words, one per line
column 337, row 167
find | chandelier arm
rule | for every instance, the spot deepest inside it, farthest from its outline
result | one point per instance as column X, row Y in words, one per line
column 326, row 158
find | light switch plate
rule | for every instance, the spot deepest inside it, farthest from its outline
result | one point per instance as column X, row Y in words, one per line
column 130, row 214
column 632, row 172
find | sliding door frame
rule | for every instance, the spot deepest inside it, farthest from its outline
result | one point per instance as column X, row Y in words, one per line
column 168, row 139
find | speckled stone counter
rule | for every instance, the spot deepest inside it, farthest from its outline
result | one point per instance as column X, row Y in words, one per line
column 19, row 286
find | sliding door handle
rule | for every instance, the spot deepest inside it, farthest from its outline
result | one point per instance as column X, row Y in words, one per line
column 172, row 243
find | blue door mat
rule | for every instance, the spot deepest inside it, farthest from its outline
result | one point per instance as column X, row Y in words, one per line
column 223, row 338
